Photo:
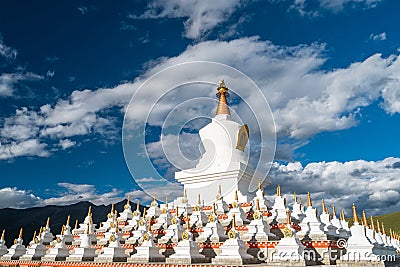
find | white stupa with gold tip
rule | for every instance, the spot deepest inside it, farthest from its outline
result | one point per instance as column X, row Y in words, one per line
column 325, row 219
column 139, row 230
column 311, row 225
column 237, row 212
column 105, row 226
column 187, row 251
column 297, row 212
column 224, row 161
column 259, row 229
column 60, row 251
column 154, row 210
column 340, row 231
column 85, row 251
column 113, row 252
column 16, row 250
column 164, row 220
column 233, row 251
column 358, row 244
column 198, row 218
column 289, row 249
column 263, row 202
column 127, row 213
column 147, row 251
column 221, row 207
column 46, row 236
column 213, row 231
column 35, row 251
column 3, row 247
column 173, row 232
column 279, row 207
column 67, row 235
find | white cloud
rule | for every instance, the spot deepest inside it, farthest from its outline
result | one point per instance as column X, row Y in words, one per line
column 30, row 147
column 50, row 73
column 378, row 37
column 7, row 52
column 8, row 81
column 66, row 143
column 11, row 197
column 307, row 7
column 201, row 15
column 373, row 186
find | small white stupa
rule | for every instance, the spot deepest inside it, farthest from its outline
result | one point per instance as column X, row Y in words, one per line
column 154, row 210
column 164, row 220
column 35, row 251
column 220, row 204
column 139, row 230
column 198, row 217
column 213, row 231
column 297, row 212
column 279, row 207
column 359, row 248
column 340, row 231
column 311, row 225
column 237, row 212
column 16, row 250
column 147, row 251
column 67, row 235
column 173, row 232
column 46, row 236
column 105, row 226
column 85, row 251
column 3, row 247
column 259, row 229
column 233, row 251
column 263, row 202
column 187, row 250
column 60, row 251
column 113, row 252
column 289, row 249
column 126, row 214
column 325, row 219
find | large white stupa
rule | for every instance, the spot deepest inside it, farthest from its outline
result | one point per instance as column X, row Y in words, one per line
column 224, row 163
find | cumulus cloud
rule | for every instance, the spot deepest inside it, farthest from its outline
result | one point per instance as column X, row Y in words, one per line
column 378, row 37
column 30, row 147
column 373, row 186
column 201, row 15
column 11, row 197
column 66, row 143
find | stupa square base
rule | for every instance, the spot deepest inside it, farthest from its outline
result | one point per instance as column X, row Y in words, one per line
column 30, row 257
column 80, row 258
column 110, row 259
column 289, row 263
column 138, row 259
column 230, row 260
column 54, row 258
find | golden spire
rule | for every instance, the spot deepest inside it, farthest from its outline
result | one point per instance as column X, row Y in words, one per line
column 62, row 230
column 301, row 202
column 372, row 223
column 90, row 218
column 288, row 222
column 278, row 191
column 129, row 200
column 166, row 203
column 2, row 234
column 112, row 208
column 213, row 209
column 383, row 229
column 34, row 235
column 20, row 233
column 323, row 206
column 184, row 194
column 257, row 204
column 379, row 226
column 342, row 215
column 76, row 224
column 87, row 229
column 48, row 222
column 355, row 217
column 295, row 197
column 309, row 203
column 236, row 195
column 199, row 200
column 365, row 218
column 391, row 233
column 222, row 94
column 333, row 210
column 68, row 219
column 233, row 222
column 144, row 212
column 259, row 184
column 138, row 205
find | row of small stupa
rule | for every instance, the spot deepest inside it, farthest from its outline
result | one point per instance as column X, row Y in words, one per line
column 234, row 233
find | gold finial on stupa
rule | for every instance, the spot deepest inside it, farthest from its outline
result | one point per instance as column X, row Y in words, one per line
column 222, row 94
column 198, row 200
column 34, row 237
column 333, row 210
column 89, row 210
column 355, row 217
column 257, row 204
column 68, row 219
column 144, row 212
column 138, row 205
column 259, row 184
column 379, row 226
column 48, row 222
column 236, row 195
column 294, row 197
column 309, row 203
column 20, row 233
column 3, row 234
column 112, row 208
column 383, row 229
column 219, row 194
column 214, row 209
column 323, row 206
column 62, row 230
column 76, row 224
column 371, row 219
column 166, row 203
column 288, row 220
column 278, row 191
column 364, row 215
column 233, row 222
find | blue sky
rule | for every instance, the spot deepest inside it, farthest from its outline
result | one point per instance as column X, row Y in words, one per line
column 69, row 69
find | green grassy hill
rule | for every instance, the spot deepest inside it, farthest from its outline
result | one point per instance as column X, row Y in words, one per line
column 390, row 220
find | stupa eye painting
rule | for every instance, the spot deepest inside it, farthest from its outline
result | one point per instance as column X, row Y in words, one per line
column 177, row 133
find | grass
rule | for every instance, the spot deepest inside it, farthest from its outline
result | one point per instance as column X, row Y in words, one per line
column 390, row 220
